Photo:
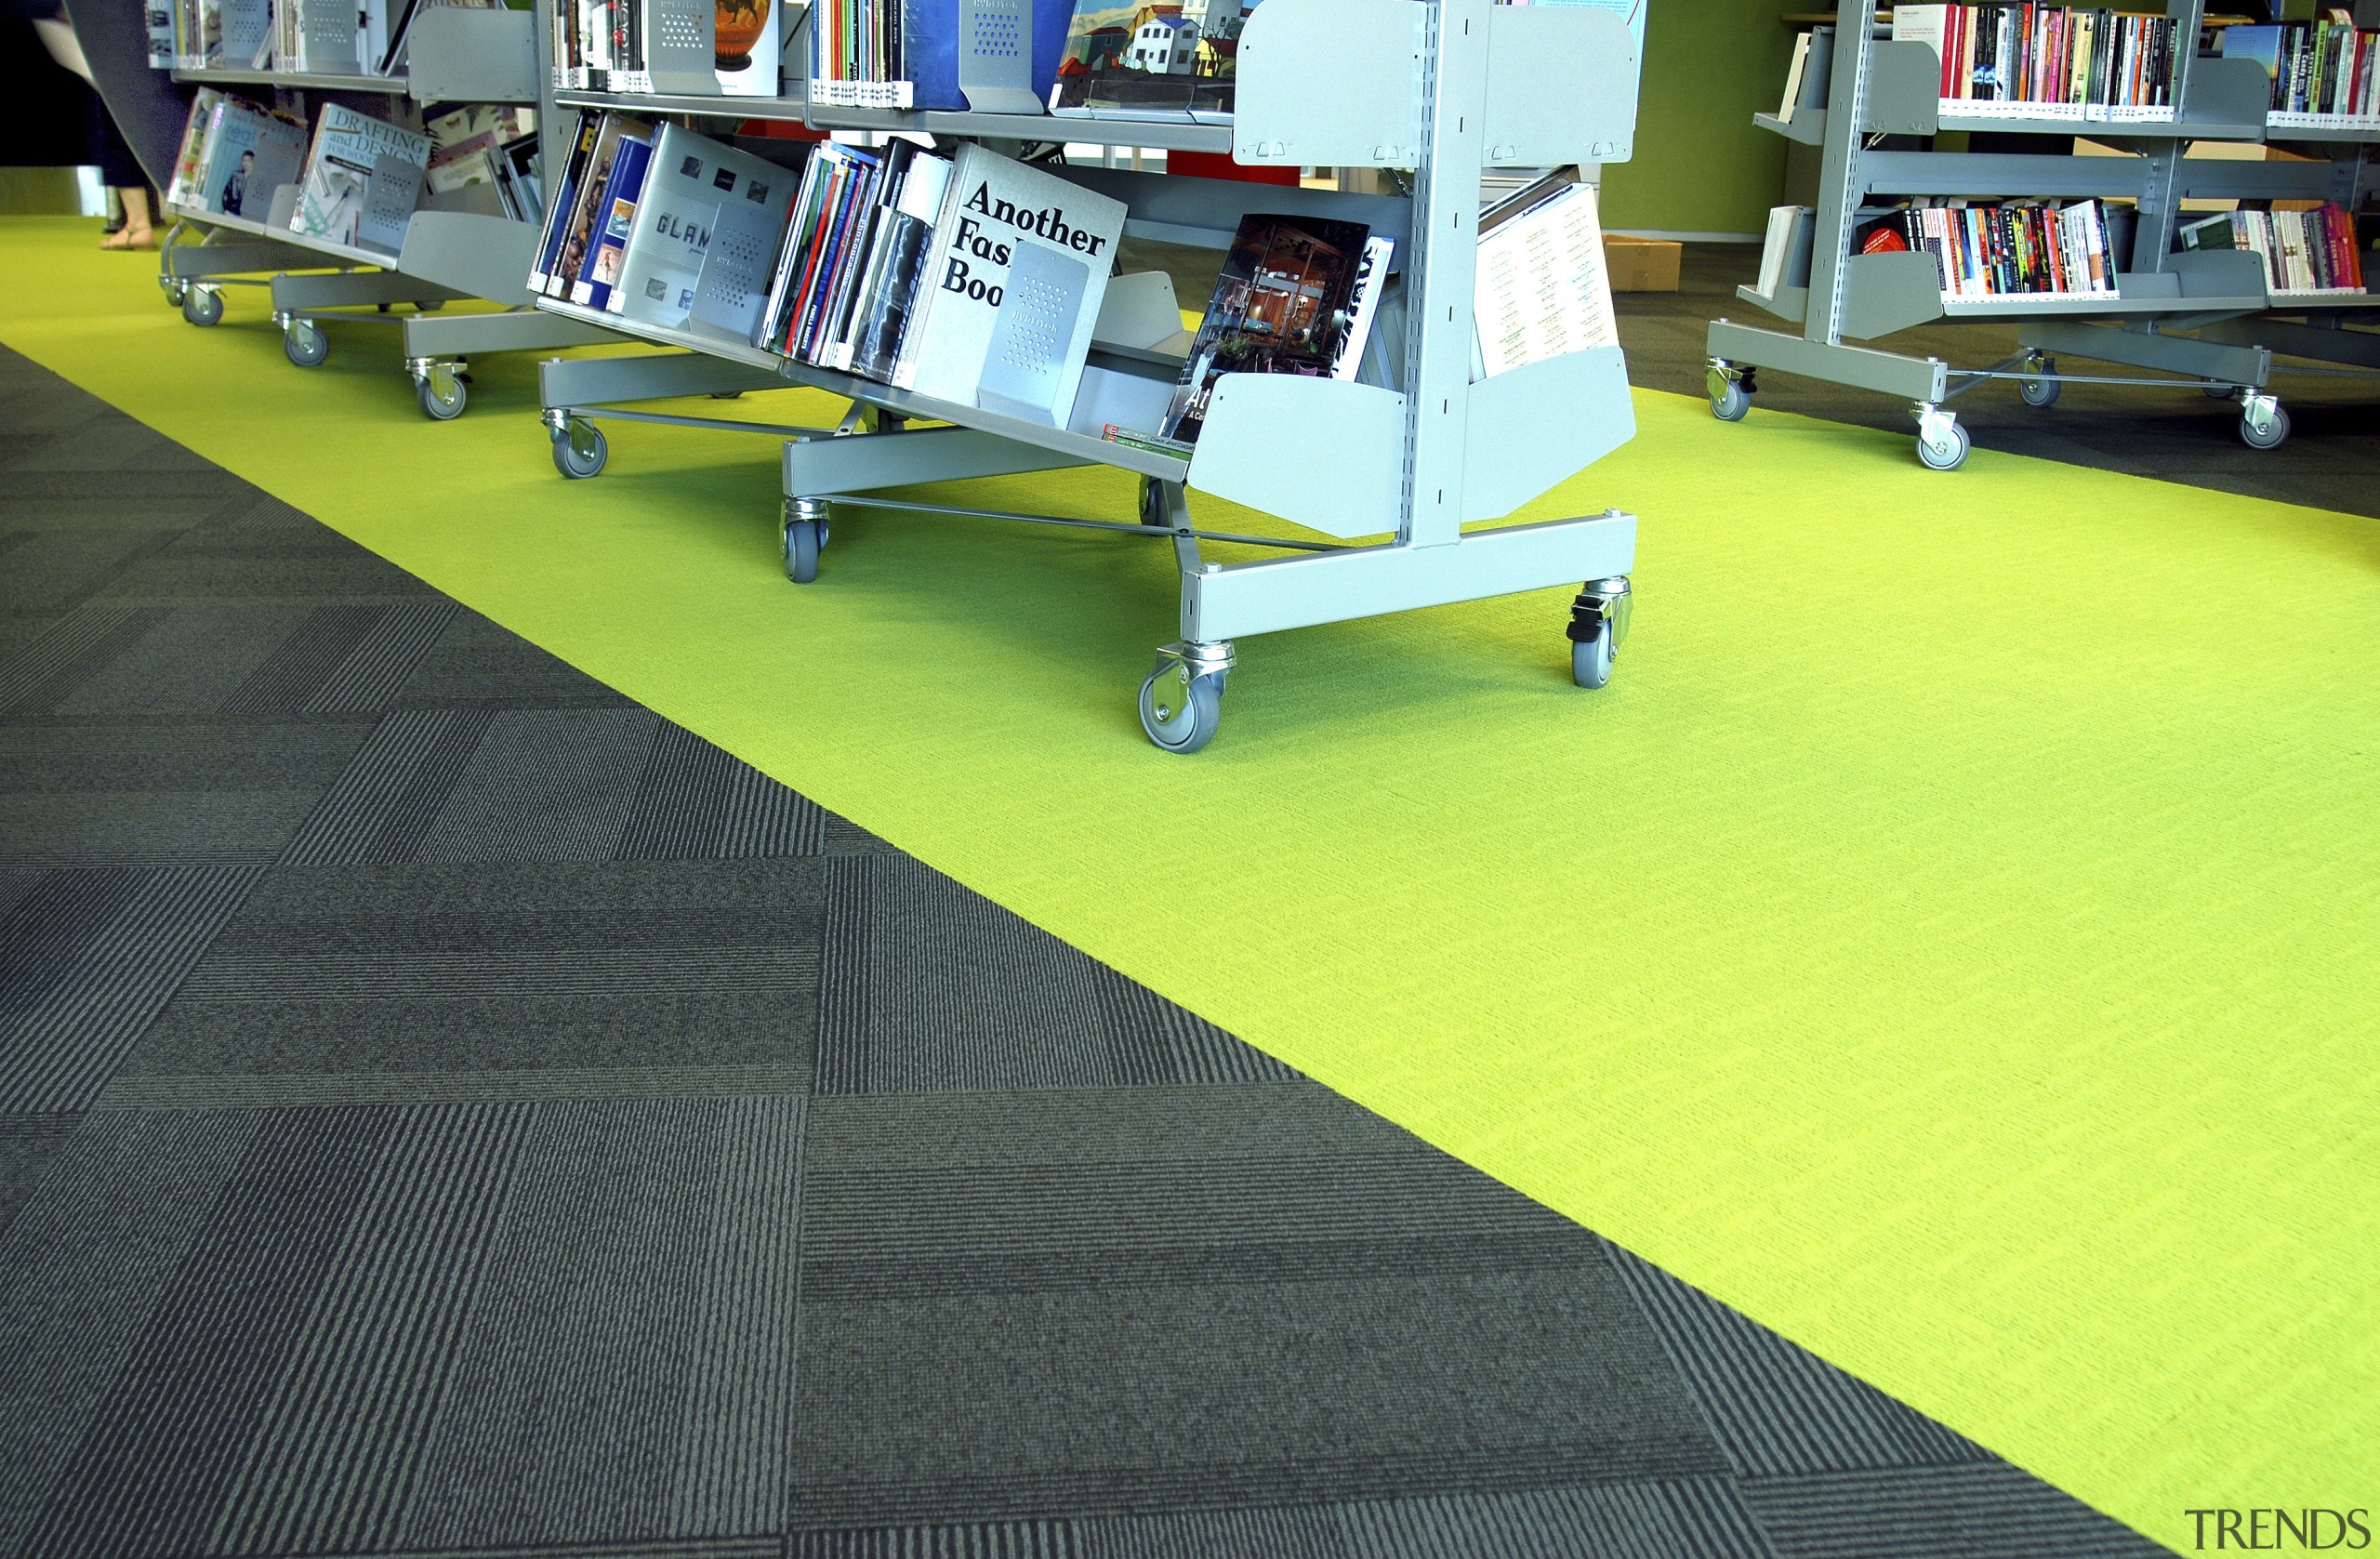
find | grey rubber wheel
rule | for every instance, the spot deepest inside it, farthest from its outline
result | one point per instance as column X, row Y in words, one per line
column 2221, row 391
column 303, row 343
column 1181, row 719
column 576, row 466
column 1153, row 504
column 1948, row 459
column 1591, row 662
column 2036, row 391
column 802, row 544
column 443, row 396
column 202, row 305
column 1730, row 405
column 2275, row 433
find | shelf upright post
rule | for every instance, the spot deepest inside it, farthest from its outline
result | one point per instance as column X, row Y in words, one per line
column 1838, row 178
column 1453, row 96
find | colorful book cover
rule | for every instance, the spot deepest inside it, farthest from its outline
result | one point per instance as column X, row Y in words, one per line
column 338, row 186
column 692, row 182
column 614, row 219
column 1283, row 305
column 1157, row 62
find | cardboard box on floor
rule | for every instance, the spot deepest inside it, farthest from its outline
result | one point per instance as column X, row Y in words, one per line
column 1641, row 264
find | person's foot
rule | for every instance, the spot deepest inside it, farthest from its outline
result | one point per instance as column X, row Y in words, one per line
column 130, row 237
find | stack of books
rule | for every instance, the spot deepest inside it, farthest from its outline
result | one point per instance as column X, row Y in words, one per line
column 2008, row 249
column 2033, row 61
column 2307, row 254
column 2323, row 74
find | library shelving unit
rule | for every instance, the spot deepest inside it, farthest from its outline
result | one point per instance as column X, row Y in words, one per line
column 459, row 247
column 1417, row 449
column 2164, row 317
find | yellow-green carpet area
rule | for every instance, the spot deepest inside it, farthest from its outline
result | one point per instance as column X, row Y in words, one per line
column 1954, row 938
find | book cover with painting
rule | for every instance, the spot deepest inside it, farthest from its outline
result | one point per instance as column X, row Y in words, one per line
column 1173, row 61
column 1286, row 302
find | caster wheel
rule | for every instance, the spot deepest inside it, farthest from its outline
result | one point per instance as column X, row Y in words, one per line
column 2271, row 434
column 580, row 450
column 1180, row 715
column 430, row 308
column 727, row 395
column 1946, row 456
column 1590, row 660
column 2035, row 390
column 2221, row 391
column 202, row 305
column 304, row 344
column 1153, row 504
column 177, row 293
column 1729, row 398
column 443, row 394
column 804, row 539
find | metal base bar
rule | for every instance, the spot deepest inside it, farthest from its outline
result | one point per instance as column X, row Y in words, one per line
column 354, row 289
column 580, row 382
column 514, row 330
column 1232, row 601
column 188, row 262
column 2139, row 349
column 672, row 419
column 2290, row 339
column 1154, row 532
column 1910, row 378
column 857, row 462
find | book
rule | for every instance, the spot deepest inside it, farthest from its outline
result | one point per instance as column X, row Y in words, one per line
column 890, row 289
column 361, row 181
column 1541, row 290
column 250, row 151
column 697, row 224
column 1284, row 304
column 190, row 162
column 577, row 232
column 994, row 212
column 1785, row 252
column 614, row 218
column 1154, row 63
column 558, row 212
column 750, row 41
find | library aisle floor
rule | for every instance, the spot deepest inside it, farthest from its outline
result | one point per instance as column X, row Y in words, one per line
column 450, row 1109
column 1949, row 940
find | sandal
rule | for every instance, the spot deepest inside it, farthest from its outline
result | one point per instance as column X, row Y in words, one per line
column 130, row 238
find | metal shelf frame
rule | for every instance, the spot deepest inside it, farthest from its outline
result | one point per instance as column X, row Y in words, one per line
column 2193, row 319
column 1420, row 451
column 456, row 248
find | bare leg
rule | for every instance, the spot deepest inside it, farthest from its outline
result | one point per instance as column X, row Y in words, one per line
column 136, row 232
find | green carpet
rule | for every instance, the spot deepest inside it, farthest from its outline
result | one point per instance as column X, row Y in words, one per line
column 1954, row 938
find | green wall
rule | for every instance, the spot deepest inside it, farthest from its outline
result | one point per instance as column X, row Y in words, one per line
column 38, row 192
column 1700, row 167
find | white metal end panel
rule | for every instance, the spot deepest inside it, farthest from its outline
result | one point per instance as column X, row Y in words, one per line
column 1327, row 454
column 480, row 256
column 1561, row 86
column 1534, row 427
column 1330, row 83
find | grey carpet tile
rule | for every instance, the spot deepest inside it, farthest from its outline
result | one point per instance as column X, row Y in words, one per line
column 103, row 793
column 109, row 501
column 929, row 987
column 192, row 657
column 82, row 1265
column 69, row 650
column 1685, row 1519
column 477, row 662
column 1190, row 1395
column 1778, row 1410
column 27, row 1146
column 545, row 785
column 87, row 959
column 695, row 801
column 1987, row 1512
column 381, row 970
column 53, row 571
column 911, row 1195
column 249, row 1090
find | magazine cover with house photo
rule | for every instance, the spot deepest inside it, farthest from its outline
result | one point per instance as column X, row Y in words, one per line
column 1175, row 61
column 1286, row 303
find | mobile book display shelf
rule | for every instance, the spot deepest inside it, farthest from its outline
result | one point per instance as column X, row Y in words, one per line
column 456, row 247
column 2191, row 317
column 1419, row 448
